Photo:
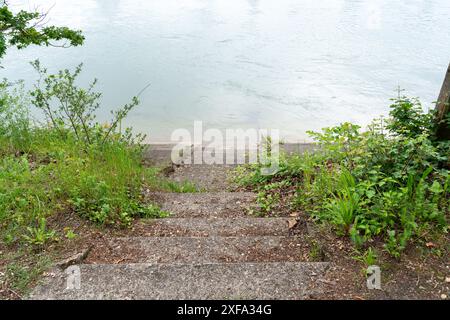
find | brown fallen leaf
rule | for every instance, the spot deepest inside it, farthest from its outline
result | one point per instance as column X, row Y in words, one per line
column 292, row 223
column 430, row 245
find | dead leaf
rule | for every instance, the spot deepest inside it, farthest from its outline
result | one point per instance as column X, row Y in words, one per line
column 292, row 223
column 430, row 245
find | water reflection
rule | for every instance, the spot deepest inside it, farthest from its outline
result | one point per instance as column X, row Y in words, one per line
column 295, row 65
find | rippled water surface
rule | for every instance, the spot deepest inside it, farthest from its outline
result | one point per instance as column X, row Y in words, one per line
column 295, row 65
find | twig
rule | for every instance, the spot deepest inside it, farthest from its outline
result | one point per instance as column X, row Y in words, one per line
column 142, row 91
column 15, row 293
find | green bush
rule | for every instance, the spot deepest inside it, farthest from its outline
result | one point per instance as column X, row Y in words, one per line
column 69, row 107
column 390, row 182
column 70, row 163
column 14, row 114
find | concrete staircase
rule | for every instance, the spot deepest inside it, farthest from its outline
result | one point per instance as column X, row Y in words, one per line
column 209, row 248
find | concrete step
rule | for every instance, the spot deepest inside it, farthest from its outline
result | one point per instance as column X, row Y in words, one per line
column 199, row 250
column 276, row 280
column 162, row 153
column 204, row 177
column 213, row 226
column 201, row 204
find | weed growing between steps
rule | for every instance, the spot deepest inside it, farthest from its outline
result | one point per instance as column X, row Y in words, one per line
column 180, row 187
column 69, row 164
column 388, row 184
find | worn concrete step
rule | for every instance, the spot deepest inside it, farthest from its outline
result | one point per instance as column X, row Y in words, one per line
column 201, row 204
column 200, row 250
column 204, row 177
column 214, row 226
column 275, row 280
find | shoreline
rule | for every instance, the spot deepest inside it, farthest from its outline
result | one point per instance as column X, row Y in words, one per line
column 161, row 153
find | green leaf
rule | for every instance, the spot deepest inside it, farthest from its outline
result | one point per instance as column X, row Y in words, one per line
column 436, row 188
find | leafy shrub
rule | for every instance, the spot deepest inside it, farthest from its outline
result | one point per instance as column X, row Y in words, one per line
column 390, row 182
column 67, row 106
column 70, row 164
column 14, row 115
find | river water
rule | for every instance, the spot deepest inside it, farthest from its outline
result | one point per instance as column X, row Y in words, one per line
column 292, row 65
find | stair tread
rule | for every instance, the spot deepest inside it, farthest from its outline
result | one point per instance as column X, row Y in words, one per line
column 213, row 226
column 200, row 249
column 205, row 204
column 275, row 280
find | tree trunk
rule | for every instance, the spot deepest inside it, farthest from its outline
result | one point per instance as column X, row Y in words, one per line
column 443, row 109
